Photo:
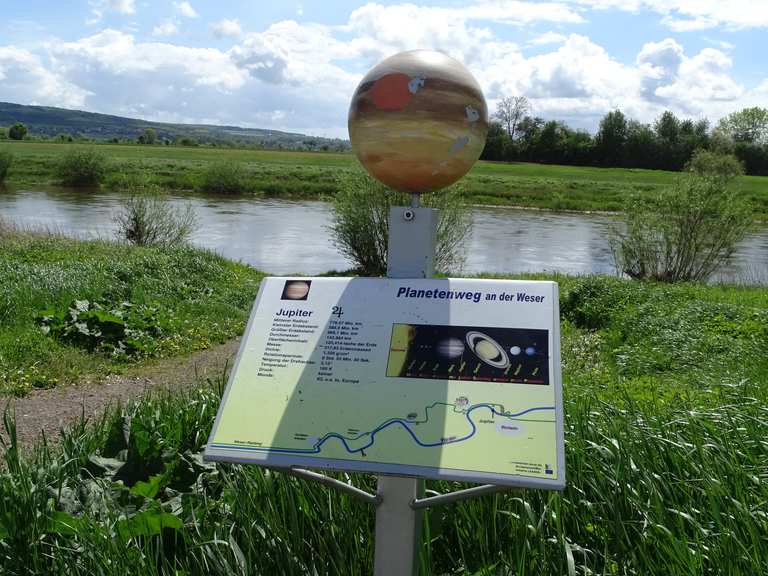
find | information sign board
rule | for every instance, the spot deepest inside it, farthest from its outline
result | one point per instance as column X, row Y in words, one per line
column 438, row 378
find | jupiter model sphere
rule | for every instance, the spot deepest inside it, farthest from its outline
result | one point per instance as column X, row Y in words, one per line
column 418, row 121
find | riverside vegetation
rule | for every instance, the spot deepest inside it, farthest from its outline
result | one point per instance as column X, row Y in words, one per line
column 665, row 389
column 316, row 175
column 72, row 310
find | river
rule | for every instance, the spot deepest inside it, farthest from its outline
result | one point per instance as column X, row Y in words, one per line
column 285, row 236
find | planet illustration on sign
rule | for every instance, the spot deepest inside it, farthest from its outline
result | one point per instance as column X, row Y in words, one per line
column 296, row 290
column 418, row 121
column 450, row 348
column 487, row 349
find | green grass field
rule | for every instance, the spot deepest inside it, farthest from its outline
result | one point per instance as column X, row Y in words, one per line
column 313, row 174
column 665, row 389
column 113, row 306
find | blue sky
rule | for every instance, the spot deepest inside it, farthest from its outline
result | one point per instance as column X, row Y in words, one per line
column 294, row 65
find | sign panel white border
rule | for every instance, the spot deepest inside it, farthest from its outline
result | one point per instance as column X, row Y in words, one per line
column 270, row 459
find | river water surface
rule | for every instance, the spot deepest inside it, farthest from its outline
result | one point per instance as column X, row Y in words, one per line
column 285, row 236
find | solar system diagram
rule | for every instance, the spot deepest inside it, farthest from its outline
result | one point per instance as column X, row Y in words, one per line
column 467, row 353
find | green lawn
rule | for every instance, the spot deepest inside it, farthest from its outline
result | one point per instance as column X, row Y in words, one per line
column 131, row 304
column 313, row 174
column 665, row 389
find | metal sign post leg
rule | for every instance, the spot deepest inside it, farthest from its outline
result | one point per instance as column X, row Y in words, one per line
column 398, row 526
column 411, row 254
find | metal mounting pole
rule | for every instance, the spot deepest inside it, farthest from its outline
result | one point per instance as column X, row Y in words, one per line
column 451, row 497
column 411, row 254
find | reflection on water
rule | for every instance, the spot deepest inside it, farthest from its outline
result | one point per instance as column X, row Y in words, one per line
column 284, row 236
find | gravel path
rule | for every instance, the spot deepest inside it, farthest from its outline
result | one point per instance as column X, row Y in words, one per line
column 50, row 410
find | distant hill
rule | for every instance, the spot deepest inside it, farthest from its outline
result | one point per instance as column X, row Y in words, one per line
column 49, row 122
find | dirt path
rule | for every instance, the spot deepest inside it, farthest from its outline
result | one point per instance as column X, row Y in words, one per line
column 51, row 410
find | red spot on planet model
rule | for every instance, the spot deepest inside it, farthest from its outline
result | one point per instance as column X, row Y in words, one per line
column 391, row 92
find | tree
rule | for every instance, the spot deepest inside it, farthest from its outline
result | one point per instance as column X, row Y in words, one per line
column 550, row 145
column 497, row 143
column 749, row 125
column 612, row 138
column 149, row 136
column 528, row 131
column 17, row 131
column 641, row 150
column 510, row 111
column 667, row 128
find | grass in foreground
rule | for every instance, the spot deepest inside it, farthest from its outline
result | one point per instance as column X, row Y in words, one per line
column 314, row 174
column 106, row 305
column 665, row 394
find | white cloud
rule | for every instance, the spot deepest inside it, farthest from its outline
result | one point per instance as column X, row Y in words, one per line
column 123, row 6
column 689, row 15
column 297, row 54
column 24, row 79
column 226, row 28
column 167, row 28
column 549, row 38
column 100, row 7
column 185, row 9
column 300, row 76
column 116, row 54
column 688, row 25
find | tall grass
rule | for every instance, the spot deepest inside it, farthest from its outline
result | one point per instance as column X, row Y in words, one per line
column 667, row 473
column 6, row 160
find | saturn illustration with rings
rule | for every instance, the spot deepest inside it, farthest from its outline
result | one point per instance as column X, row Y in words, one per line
column 487, row 349
column 491, row 354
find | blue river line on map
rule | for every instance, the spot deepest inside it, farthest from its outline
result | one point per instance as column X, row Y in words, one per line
column 405, row 424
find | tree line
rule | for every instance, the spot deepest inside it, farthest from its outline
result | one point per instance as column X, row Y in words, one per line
column 666, row 144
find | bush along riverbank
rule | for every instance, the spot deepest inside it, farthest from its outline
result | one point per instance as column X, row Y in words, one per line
column 73, row 310
column 665, row 388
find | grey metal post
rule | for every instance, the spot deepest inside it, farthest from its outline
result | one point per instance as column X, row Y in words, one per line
column 410, row 254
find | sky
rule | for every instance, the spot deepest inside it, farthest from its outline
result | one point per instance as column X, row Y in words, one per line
column 294, row 65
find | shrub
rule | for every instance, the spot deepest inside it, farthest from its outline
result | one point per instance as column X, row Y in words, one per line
column 6, row 159
column 725, row 167
column 225, row 178
column 147, row 218
column 360, row 223
column 119, row 330
column 682, row 234
column 82, row 167
column 17, row 131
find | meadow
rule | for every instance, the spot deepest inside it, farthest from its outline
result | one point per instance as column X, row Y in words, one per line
column 665, row 394
column 73, row 311
column 315, row 174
